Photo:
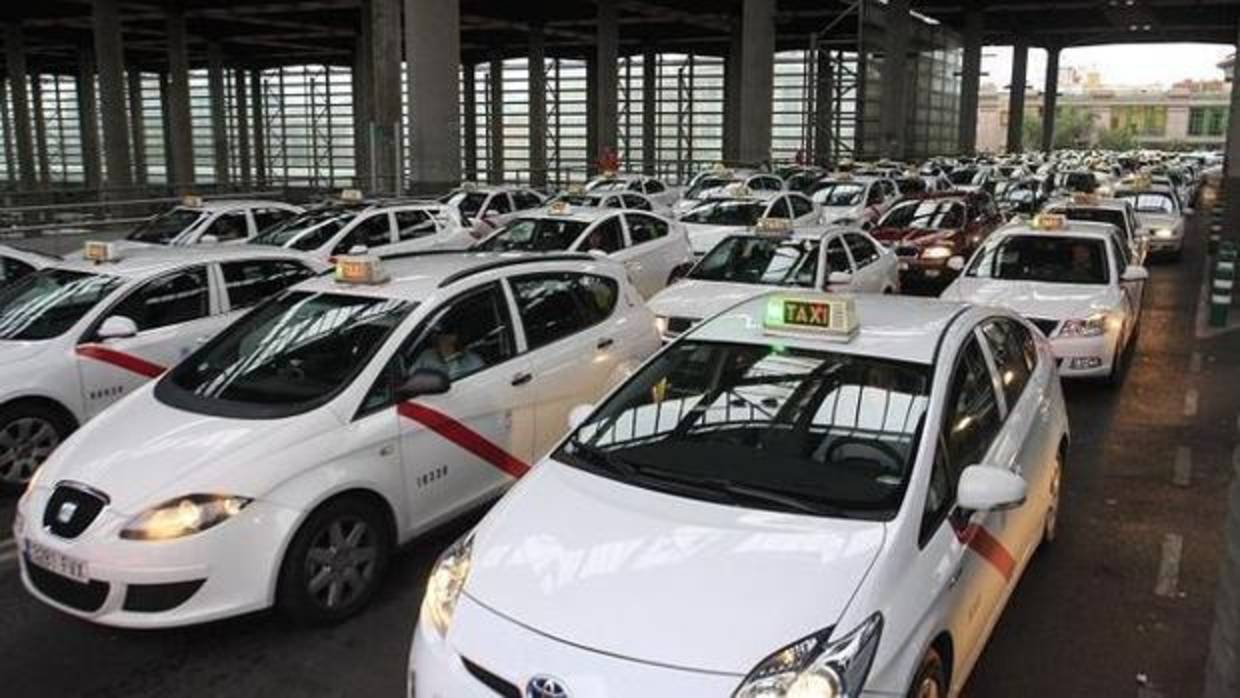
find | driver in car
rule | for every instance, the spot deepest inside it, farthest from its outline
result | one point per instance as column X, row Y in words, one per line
column 444, row 353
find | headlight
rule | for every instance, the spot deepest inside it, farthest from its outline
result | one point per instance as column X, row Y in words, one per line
column 660, row 324
column 446, row 583
column 183, row 516
column 1091, row 326
column 817, row 667
column 1164, row 233
column 936, row 252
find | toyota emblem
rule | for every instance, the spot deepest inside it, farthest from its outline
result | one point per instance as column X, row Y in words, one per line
column 546, row 687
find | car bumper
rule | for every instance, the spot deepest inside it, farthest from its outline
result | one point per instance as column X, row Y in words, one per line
column 1159, row 245
column 1084, row 357
column 227, row 570
column 915, row 272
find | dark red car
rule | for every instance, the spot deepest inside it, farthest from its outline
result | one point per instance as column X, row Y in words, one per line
column 926, row 230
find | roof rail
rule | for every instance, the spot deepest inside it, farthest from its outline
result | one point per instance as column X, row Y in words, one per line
column 514, row 261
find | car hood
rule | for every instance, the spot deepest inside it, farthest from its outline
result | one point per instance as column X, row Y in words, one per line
column 696, row 299
column 703, row 237
column 910, row 236
column 142, row 452
column 830, row 213
column 663, row 579
column 16, row 351
column 1032, row 298
column 1157, row 220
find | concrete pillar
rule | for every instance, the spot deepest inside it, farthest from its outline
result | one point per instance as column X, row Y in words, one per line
column 219, row 111
column 970, row 79
column 40, row 130
column 23, row 124
column 1016, row 97
column 433, row 54
column 6, row 129
column 470, row 123
column 606, row 76
column 243, row 127
column 110, row 64
column 591, row 115
column 385, row 92
column 893, row 114
column 1051, row 99
column 88, row 118
column 361, row 108
column 1231, row 174
column 180, row 128
column 495, row 121
column 257, row 124
column 732, row 96
column 137, row 125
column 823, row 106
column 538, row 107
column 165, row 126
column 650, row 106
column 757, row 81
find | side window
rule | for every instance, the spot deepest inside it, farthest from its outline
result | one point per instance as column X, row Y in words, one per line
column 266, row 217
column 801, row 206
column 636, row 202
column 374, row 231
column 940, row 495
column 168, row 300
column 876, row 195
column 613, row 201
column 12, row 270
column 411, row 225
column 498, row 204
column 526, row 200
column 863, row 251
column 551, row 307
column 1010, row 360
column 597, row 295
column 229, row 226
column 837, row 258
column 250, row 282
column 645, row 228
column 972, row 415
column 608, row 236
column 654, row 186
column 779, row 208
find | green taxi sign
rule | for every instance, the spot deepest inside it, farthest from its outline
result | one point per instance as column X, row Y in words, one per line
column 832, row 317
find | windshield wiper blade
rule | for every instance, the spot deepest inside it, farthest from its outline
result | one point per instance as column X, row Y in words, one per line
column 600, row 458
column 744, row 491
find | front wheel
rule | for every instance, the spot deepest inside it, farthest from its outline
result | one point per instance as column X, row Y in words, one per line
column 29, row 433
column 931, row 680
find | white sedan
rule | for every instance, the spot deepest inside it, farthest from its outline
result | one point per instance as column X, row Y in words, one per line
column 77, row 336
column 1073, row 279
column 804, row 496
column 653, row 188
column 198, row 221
column 16, row 263
column 1160, row 216
column 749, row 264
column 738, row 209
column 605, row 197
column 854, row 200
column 284, row 461
column 485, row 209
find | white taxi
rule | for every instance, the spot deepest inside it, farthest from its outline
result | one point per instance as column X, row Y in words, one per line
column 714, row 182
column 653, row 249
column 16, row 262
column 209, row 221
column 282, row 462
column 776, row 256
column 807, row 495
column 1159, row 213
column 1075, row 280
column 852, row 200
column 80, row 334
column 607, row 197
column 379, row 226
column 1117, row 212
column 737, row 208
column 488, row 208
column 653, row 188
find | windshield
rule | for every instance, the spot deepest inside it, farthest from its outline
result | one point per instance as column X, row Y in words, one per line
column 161, row 229
column 47, row 303
column 296, row 350
column 1050, row 258
column 929, row 214
column 838, row 193
column 579, row 200
column 1080, row 181
column 762, row 426
column 963, row 176
column 468, row 203
column 601, row 185
column 534, row 235
column 759, row 260
column 708, row 183
column 727, row 212
column 1018, row 192
column 306, row 231
column 1149, row 202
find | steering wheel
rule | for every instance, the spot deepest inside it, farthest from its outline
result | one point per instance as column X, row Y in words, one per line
column 889, row 454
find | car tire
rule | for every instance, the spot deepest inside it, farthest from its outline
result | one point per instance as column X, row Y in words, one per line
column 1119, row 364
column 1050, row 525
column 931, row 678
column 335, row 562
column 29, row 432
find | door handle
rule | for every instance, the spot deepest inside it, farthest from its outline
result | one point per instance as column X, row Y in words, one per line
column 522, row 378
column 951, row 582
column 605, row 343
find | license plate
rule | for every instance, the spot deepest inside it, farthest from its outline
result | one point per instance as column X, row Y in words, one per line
column 56, row 562
column 903, row 266
column 932, row 273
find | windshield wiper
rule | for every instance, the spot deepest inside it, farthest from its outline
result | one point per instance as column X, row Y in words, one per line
column 748, row 492
column 600, row 458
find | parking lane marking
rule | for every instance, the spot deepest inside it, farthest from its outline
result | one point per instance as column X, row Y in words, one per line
column 1182, row 474
column 8, row 550
column 1190, row 403
column 1169, row 566
column 1194, row 363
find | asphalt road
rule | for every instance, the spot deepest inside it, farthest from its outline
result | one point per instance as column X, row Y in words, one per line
column 1085, row 620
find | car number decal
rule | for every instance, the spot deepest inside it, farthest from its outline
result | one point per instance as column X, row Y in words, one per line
column 982, row 542
column 464, row 437
column 129, row 362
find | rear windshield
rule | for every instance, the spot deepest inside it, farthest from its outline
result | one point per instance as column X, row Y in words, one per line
column 534, row 235
column 930, row 214
column 47, row 303
column 727, row 212
column 306, row 231
column 758, row 260
column 837, row 193
column 161, row 229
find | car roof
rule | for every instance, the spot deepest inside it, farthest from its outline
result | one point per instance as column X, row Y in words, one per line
column 215, row 205
column 1091, row 229
column 1114, row 204
column 141, row 261
column 903, row 328
column 579, row 214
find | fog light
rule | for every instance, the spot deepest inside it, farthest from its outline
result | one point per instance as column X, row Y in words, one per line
column 1081, row 363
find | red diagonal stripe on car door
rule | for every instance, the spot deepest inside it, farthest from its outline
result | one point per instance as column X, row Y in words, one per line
column 129, row 362
column 464, row 437
column 982, row 542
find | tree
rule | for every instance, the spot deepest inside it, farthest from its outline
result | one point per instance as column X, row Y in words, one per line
column 1117, row 139
column 1074, row 128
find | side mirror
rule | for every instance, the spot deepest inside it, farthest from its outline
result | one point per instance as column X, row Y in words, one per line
column 358, row 250
column 990, row 488
column 577, row 416
column 424, row 381
column 208, row 240
column 1135, row 273
column 490, row 212
column 117, row 327
column 955, row 263
column 839, row 278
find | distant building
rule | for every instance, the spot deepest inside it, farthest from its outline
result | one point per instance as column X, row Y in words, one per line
column 1191, row 114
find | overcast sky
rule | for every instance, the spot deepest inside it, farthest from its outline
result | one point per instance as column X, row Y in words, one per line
column 1119, row 64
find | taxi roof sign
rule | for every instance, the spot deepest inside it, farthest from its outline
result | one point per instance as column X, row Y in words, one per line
column 737, row 190
column 1049, row 221
column 1084, row 198
column 773, row 225
column 360, row 269
column 351, row 194
column 98, row 252
column 191, row 201
column 560, row 208
column 827, row 316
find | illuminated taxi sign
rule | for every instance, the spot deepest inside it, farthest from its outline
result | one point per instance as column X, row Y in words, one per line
column 469, row 186
column 351, row 194
column 1139, row 182
column 191, row 201
column 842, row 176
column 1083, row 198
column 577, row 190
column 360, row 269
column 99, row 252
column 830, row 317
column 737, row 190
column 720, row 168
column 1049, row 221
column 608, row 174
column 774, row 226
column 560, row 208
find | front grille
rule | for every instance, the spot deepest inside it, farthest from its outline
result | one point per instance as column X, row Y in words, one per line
column 679, row 325
column 154, row 598
column 87, row 597
column 1045, row 324
column 71, row 509
column 491, row 681
column 906, row 251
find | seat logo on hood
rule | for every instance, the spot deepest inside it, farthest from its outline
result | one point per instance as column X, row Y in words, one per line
column 67, row 510
column 543, row 686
